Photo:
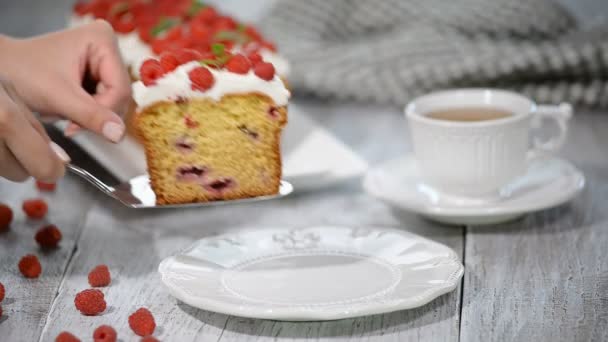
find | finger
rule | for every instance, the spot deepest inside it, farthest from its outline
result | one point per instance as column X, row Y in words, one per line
column 106, row 66
column 71, row 129
column 11, row 168
column 42, row 159
column 27, row 113
column 80, row 107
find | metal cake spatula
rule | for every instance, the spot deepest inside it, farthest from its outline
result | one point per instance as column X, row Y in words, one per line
column 137, row 193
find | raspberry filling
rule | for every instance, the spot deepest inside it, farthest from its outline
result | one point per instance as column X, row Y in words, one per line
column 249, row 132
column 273, row 112
column 191, row 173
column 184, row 145
column 220, row 185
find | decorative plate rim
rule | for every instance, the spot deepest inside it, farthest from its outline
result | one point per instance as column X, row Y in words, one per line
column 330, row 312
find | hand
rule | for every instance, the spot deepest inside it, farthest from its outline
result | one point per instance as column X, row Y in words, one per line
column 25, row 148
column 48, row 73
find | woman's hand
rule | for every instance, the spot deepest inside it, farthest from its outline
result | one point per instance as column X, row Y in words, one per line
column 48, row 73
column 25, row 148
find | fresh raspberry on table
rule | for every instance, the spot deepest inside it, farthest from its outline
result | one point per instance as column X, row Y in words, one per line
column 264, row 71
column 43, row 186
column 150, row 71
column 100, row 276
column 48, row 236
column 142, row 322
column 90, row 302
column 30, row 266
column 149, row 339
column 104, row 333
column 201, row 78
column 35, row 208
column 238, row 64
column 65, row 336
column 2, row 292
column 169, row 61
column 6, row 217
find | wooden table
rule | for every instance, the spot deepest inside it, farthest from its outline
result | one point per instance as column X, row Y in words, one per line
column 541, row 278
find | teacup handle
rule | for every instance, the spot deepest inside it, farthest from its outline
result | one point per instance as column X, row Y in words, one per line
column 561, row 114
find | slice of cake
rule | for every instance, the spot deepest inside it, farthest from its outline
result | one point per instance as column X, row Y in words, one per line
column 211, row 125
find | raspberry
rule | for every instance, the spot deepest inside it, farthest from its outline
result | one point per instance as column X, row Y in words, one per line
column 35, row 208
column 30, row 266
column 142, row 322
column 238, row 64
column 6, row 217
column 224, row 23
column 48, row 236
column 188, row 55
column 145, row 33
column 255, row 58
column 190, row 122
column 168, row 61
column 159, row 46
column 100, row 276
column 199, row 31
column 253, row 33
column 90, row 302
column 264, row 71
column 42, row 186
column 65, row 336
column 174, row 33
column 149, row 339
column 121, row 25
column 201, row 78
column 150, row 71
column 104, row 333
column 270, row 46
column 1, row 292
column 207, row 15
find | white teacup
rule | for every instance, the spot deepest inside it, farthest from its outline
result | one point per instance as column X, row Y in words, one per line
column 477, row 158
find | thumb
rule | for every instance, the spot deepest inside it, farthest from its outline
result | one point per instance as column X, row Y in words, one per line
column 82, row 109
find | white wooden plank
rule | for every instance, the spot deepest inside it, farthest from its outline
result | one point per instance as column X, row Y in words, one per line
column 545, row 278
column 28, row 300
column 133, row 243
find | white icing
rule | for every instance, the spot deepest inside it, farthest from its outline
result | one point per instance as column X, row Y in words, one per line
column 132, row 49
column 177, row 84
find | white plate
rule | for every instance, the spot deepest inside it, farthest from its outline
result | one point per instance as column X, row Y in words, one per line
column 320, row 273
column 547, row 183
column 312, row 156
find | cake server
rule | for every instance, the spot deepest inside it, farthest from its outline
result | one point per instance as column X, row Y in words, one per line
column 137, row 192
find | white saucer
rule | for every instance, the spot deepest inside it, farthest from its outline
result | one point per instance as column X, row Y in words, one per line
column 319, row 273
column 547, row 183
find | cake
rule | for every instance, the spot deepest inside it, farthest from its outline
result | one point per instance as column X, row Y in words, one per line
column 210, row 125
column 147, row 28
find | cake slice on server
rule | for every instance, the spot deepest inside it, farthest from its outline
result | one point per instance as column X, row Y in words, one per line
column 211, row 126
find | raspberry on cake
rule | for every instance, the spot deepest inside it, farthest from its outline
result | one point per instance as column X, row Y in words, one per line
column 150, row 27
column 211, row 128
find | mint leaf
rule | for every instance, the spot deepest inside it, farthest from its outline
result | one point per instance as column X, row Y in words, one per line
column 163, row 25
column 233, row 36
column 195, row 7
column 119, row 8
column 218, row 49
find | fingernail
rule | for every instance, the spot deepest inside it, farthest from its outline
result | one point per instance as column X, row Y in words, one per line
column 71, row 130
column 113, row 131
column 60, row 152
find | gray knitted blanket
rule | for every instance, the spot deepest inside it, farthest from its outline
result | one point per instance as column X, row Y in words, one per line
column 389, row 51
